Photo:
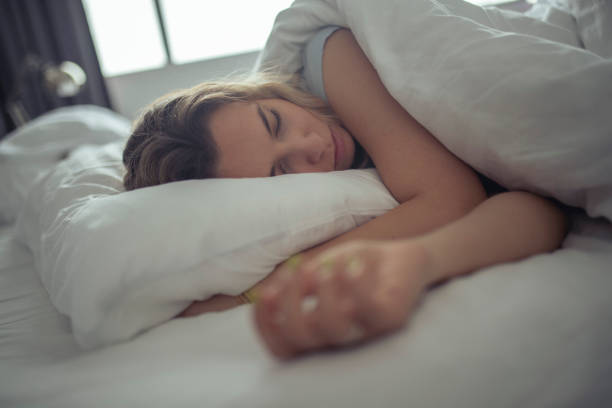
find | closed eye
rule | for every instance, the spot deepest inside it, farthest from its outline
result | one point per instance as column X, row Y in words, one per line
column 284, row 169
column 277, row 118
column 277, row 131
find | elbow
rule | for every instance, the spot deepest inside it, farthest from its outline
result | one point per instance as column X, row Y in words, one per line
column 543, row 223
column 551, row 220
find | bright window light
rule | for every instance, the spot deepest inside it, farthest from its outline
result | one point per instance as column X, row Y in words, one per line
column 488, row 2
column 126, row 34
column 200, row 29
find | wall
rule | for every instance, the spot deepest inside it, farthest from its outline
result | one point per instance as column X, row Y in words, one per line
column 131, row 92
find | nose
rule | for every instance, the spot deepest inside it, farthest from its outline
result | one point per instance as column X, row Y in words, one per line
column 306, row 151
column 311, row 147
column 315, row 147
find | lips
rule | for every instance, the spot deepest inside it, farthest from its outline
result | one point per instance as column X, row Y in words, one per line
column 338, row 146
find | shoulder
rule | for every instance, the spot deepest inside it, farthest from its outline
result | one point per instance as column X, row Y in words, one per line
column 409, row 159
column 312, row 60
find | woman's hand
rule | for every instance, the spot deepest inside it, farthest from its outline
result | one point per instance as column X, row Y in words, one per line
column 344, row 296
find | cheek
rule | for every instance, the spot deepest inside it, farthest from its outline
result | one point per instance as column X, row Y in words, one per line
column 245, row 158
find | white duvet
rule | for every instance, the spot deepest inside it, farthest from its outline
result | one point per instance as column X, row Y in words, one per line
column 513, row 96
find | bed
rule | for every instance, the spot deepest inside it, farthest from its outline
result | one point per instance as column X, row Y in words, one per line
column 534, row 333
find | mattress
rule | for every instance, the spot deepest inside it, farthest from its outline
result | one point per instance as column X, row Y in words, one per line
column 534, row 333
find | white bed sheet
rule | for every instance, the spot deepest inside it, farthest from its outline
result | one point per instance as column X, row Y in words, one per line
column 535, row 333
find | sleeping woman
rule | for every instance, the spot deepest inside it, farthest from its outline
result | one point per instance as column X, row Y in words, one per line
column 366, row 282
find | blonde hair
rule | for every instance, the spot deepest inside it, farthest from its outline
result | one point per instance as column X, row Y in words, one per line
column 170, row 140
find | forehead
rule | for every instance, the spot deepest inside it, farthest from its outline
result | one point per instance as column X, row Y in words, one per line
column 242, row 141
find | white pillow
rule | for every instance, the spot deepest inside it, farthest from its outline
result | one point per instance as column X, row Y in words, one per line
column 118, row 264
column 33, row 149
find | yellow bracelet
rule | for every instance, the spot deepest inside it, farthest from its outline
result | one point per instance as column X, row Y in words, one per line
column 249, row 296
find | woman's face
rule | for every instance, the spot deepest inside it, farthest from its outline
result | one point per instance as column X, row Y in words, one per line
column 270, row 137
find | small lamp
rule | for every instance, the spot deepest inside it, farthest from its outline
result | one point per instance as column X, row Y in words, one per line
column 62, row 81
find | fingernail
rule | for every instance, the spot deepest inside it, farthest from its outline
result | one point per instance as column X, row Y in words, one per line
column 252, row 295
column 294, row 262
column 328, row 262
column 325, row 272
column 355, row 267
column 309, row 303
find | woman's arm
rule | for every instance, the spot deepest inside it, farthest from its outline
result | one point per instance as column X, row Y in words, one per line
column 365, row 288
column 409, row 159
column 433, row 186
column 507, row 227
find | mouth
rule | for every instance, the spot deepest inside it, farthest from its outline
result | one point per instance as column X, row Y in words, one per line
column 337, row 149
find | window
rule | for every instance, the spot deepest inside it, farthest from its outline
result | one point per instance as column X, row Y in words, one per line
column 137, row 35
column 492, row 2
column 199, row 29
column 126, row 34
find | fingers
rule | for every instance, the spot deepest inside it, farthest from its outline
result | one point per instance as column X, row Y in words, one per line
column 279, row 314
column 266, row 324
column 332, row 318
column 360, row 307
column 312, row 309
column 363, row 316
column 344, row 297
column 292, row 318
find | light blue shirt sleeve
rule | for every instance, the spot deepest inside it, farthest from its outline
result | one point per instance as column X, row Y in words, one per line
column 312, row 59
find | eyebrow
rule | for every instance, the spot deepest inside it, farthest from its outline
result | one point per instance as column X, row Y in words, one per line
column 262, row 115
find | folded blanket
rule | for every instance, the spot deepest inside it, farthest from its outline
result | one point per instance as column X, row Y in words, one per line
column 513, row 96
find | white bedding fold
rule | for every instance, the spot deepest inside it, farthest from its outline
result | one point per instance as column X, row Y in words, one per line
column 512, row 96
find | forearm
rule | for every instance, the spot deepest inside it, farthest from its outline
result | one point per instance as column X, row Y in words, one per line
column 381, row 282
column 412, row 218
column 504, row 228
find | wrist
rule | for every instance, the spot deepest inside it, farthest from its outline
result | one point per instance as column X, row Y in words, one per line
column 416, row 253
column 442, row 262
column 248, row 296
